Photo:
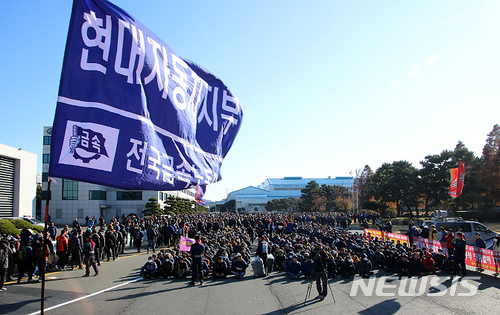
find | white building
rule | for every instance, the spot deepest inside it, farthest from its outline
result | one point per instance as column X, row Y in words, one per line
column 17, row 182
column 256, row 198
column 72, row 199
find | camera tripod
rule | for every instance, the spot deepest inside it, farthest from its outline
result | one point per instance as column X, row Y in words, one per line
column 309, row 288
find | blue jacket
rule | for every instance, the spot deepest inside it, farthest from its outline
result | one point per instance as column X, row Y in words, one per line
column 295, row 267
column 149, row 267
column 197, row 250
column 480, row 243
column 240, row 264
column 459, row 246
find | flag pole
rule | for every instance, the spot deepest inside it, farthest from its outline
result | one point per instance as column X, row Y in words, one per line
column 42, row 271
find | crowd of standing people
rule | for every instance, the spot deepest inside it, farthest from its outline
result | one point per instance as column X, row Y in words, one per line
column 302, row 245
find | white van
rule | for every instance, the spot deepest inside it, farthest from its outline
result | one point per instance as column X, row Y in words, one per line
column 469, row 228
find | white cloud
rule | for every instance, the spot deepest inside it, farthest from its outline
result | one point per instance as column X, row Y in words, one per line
column 431, row 59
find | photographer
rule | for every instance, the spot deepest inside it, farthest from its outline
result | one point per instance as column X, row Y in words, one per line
column 320, row 268
column 5, row 251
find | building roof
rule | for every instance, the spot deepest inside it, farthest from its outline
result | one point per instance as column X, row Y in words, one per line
column 299, row 180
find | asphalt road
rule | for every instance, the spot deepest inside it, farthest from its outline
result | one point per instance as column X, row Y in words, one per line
column 119, row 290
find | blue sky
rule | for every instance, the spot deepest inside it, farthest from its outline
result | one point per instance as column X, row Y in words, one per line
column 326, row 86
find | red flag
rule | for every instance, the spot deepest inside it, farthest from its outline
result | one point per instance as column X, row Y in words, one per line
column 457, row 180
column 461, row 178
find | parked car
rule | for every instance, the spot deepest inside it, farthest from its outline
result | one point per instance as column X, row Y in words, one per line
column 469, row 229
column 33, row 221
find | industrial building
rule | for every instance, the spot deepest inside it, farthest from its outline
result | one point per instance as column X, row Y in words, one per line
column 17, row 182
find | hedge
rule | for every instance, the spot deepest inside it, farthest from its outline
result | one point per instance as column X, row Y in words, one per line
column 7, row 227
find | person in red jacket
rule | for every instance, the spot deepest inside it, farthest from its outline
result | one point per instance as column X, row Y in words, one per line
column 62, row 250
column 428, row 264
column 449, row 244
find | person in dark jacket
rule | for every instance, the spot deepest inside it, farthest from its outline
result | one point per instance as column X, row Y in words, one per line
column 460, row 247
column 110, row 242
column 480, row 243
column 295, row 268
column 197, row 252
column 320, row 260
column 416, row 266
column 149, row 269
column 378, row 259
column 390, row 261
column 220, row 269
column 5, row 251
column 25, row 263
column 52, row 230
column 151, row 234
column 239, row 266
column 308, row 266
column 439, row 259
column 403, row 266
column 364, row 267
column 263, row 249
column 76, row 248
column 89, row 256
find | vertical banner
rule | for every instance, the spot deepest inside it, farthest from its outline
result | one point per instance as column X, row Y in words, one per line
column 200, row 192
column 457, row 180
column 131, row 113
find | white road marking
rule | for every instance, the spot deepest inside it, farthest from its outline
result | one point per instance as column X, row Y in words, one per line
column 86, row 296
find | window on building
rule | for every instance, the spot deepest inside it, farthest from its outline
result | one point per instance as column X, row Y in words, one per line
column 46, row 158
column 45, row 177
column 79, row 213
column 97, row 195
column 46, row 140
column 70, row 189
column 129, row 195
column 59, row 214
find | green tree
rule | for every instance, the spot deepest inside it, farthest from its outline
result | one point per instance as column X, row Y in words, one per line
column 270, row 205
column 38, row 197
column 278, row 204
column 474, row 189
column 172, row 204
column 333, row 193
column 363, row 185
column 295, row 204
column 152, row 208
column 435, row 176
column 309, row 193
column 491, row 165
column 342, row 204
column 319, row 202
column 397, row 182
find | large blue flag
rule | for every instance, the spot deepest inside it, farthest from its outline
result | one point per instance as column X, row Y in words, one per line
column 131, row 113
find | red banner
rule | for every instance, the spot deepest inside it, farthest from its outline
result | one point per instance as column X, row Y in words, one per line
column 474, row 257
column 428, row 243
column 482, row 258
column 395, row 237
column 457, row 180
column 369, row 233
